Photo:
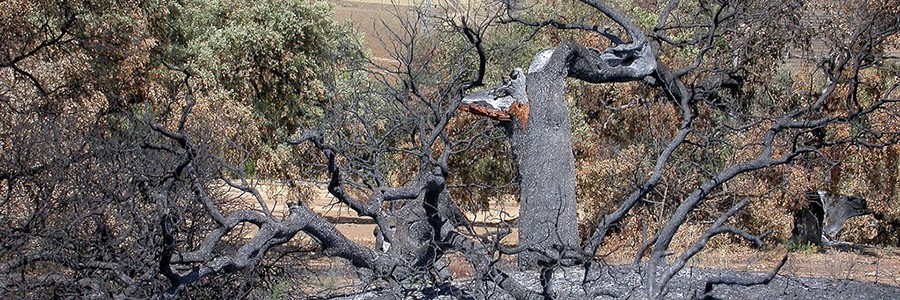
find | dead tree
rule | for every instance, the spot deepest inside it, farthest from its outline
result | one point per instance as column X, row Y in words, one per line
column 543, row 151
column 162, row 228
column 541, row 142
column 824, row 217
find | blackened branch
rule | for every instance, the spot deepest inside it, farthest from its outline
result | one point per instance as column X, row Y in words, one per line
column 739, row 280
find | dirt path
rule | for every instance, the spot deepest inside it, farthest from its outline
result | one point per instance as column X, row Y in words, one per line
column 361, row 229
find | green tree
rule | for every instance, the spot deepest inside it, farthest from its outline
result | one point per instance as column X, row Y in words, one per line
column 278, row 57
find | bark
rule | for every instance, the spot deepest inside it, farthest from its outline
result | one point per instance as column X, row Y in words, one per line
column 548, row 227
column 823, row 219
column 841, row 210
column 808, row 222
column 546, row 165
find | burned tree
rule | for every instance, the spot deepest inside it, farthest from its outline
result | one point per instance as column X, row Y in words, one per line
column 541, row 142
column 701, row 82
column 824, row 217
column 147, row 173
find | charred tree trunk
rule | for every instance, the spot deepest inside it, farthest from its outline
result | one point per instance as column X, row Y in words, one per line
column 541, row 140
column 823, row 219
column 808, row 222
column 546, row 165
column 548, row 227
column 536, row 115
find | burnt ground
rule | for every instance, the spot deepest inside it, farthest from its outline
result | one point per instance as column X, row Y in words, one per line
column 623, row 282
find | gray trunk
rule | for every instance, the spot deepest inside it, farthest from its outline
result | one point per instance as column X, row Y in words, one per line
column 543, row 152
column 841, row 210
column 540, row 133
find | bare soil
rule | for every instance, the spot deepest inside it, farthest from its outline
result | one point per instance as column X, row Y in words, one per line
column 371, row 18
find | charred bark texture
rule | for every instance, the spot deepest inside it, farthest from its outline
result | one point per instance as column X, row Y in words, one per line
column 839, row 212
column 823, row 219
column 548, row 219
column 546, row 166
column 808, row 221
column 534, row 110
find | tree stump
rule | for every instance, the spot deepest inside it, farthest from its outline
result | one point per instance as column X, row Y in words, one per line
column 808, row 221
